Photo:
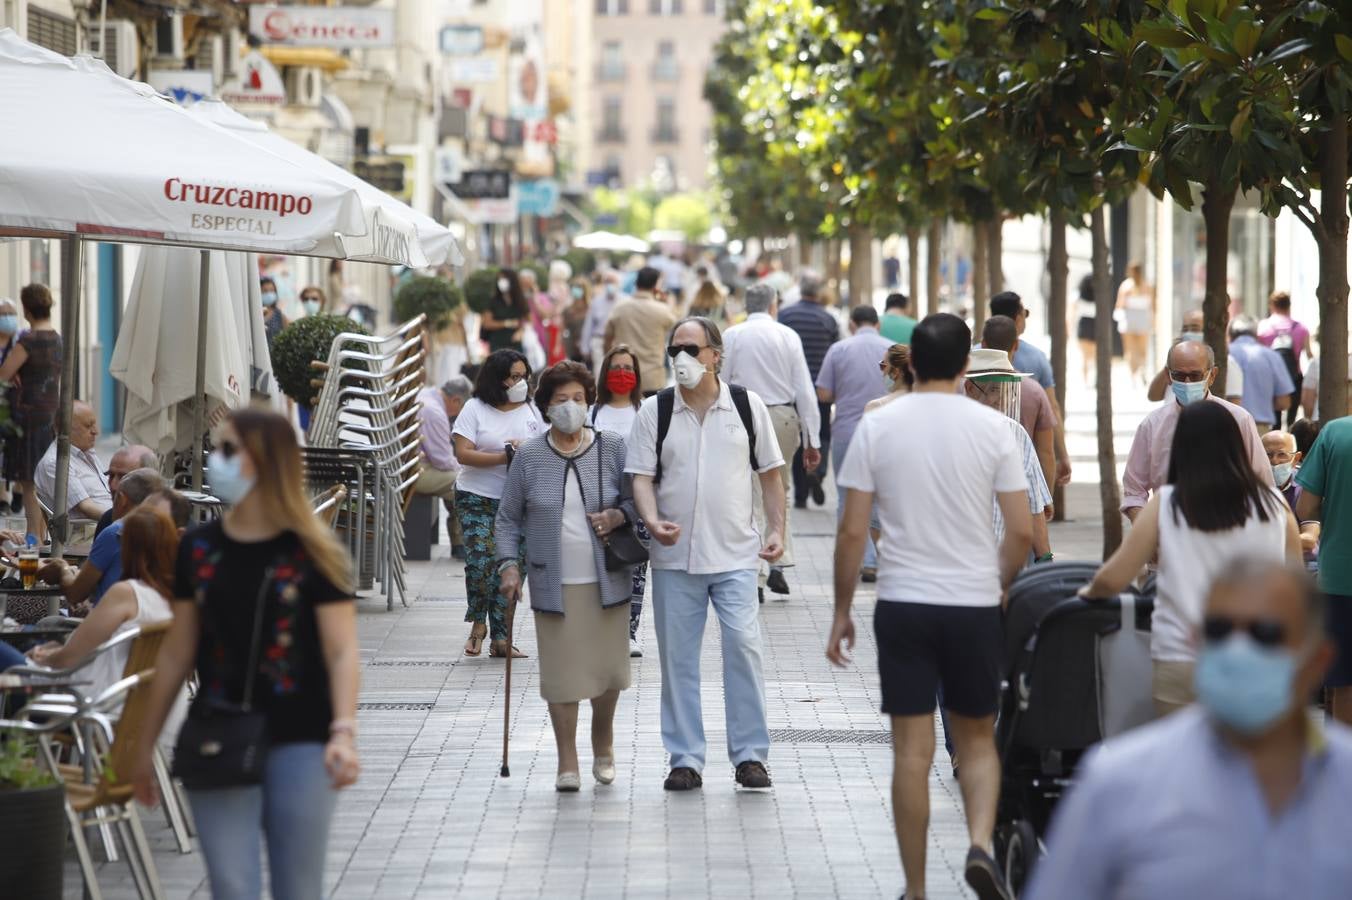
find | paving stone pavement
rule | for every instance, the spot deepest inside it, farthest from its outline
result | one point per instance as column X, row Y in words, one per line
column 431, row 817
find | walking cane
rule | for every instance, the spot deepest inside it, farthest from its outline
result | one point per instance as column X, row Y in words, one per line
column 507, row 696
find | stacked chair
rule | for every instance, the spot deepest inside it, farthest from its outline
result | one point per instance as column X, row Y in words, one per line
column 364, row 436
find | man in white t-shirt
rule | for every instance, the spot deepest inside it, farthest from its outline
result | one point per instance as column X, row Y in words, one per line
column 931, row 461
column 694, row 494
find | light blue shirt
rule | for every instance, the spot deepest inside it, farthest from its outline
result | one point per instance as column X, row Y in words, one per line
column 850, row 372
column 1172, row 812
column 1265, row 377
column 1030, row 359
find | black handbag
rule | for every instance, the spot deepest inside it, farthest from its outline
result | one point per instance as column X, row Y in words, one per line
column 623, row 548
column 222, row 744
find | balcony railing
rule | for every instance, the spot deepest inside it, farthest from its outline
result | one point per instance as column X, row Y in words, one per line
column 611, row 135
column 666, row 134
column 611, row 71
column 666, row 70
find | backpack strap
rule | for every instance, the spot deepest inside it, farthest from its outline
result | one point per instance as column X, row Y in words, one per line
column 743, row 404
column 666, row 404
column 596, row 407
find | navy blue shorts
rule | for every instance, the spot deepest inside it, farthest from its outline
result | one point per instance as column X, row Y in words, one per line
column 923, row 645
column 1339, row 627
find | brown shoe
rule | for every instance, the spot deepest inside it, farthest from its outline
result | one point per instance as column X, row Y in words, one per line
column 683, row 778
column 752, row 774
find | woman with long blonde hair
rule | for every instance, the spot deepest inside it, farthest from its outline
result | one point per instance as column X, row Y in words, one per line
column 263, row 607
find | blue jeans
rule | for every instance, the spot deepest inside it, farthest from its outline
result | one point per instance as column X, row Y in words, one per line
column 870, row 551
column 292, row 808
column 680, row 608
column 10, row 657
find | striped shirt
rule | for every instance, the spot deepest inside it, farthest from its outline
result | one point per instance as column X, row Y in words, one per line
column 817, row 328
column 1039, row 495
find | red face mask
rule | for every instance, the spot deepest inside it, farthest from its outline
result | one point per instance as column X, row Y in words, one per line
column 621, row 382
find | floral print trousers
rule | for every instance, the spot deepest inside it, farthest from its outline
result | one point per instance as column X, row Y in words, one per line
column 640, row 582
column 476, row 514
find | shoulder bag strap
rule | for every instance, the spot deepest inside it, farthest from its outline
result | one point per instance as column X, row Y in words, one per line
column 257, row 640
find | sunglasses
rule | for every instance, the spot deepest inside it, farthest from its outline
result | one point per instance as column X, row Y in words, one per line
column 228, row 449
column 1265, row 632
column 676, row 350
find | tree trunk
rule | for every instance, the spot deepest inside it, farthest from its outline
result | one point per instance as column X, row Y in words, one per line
column 1058, row 268
column 1217, row 202
column 861, row 266
column 1332, row 291
column 995, row 254
column 913, row 269
column 804, row 252
column 1103, row 337
column 832, row 274
column 980, row 270
column 932, row 265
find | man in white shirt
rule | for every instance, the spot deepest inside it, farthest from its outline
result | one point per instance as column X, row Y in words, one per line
column 87, row 493
column 692, row 487
column 931, row 461
column 766, row 357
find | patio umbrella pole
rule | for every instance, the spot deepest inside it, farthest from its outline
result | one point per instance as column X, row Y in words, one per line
column 199, row 409
column 71, row 286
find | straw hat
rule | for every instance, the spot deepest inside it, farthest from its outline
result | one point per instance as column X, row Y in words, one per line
column 991, row 362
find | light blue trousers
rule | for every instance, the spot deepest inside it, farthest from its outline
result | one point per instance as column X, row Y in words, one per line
column 291, row 808
column 680, row 608
column 870, row 551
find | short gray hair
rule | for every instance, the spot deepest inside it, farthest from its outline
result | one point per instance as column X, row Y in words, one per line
column 138, row 484
column 809, row 284
column 458, row 387
column 759, row 298
column 1244, row 572
column 1243, row 324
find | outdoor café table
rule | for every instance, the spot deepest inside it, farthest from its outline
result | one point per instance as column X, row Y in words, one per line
column 27, row 607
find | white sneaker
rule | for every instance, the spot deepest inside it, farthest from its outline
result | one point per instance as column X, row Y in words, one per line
column 635, row 648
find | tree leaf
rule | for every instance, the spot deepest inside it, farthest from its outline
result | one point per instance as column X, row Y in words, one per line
column 1160, row 36
column 1344, row 45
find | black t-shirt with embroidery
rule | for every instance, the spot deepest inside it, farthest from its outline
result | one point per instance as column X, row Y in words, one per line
column 224, row 577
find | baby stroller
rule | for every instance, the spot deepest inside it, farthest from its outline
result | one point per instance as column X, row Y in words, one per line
column 1076, row 672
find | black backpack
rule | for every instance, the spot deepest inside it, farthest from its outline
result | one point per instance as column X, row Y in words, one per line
column 666, row 404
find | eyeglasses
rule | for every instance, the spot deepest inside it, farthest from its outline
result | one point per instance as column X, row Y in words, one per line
column 514, row 377
column 1188, row 377
column 228, row 449
column 676, row 350
column 1265, row 632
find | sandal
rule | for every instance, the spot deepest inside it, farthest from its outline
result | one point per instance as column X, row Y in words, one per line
column 498, row 649
column 475, row 645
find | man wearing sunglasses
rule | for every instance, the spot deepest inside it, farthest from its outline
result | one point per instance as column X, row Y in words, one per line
column 690, row 452
column 125, row 460
column 1241, row 795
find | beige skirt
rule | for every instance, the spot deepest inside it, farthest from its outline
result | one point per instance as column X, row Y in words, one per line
column 584, row 652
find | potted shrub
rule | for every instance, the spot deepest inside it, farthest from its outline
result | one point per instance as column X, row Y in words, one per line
column 480, row 287
column 433, row 297
column 32, row 823
column 301, row 343
column 582, row 261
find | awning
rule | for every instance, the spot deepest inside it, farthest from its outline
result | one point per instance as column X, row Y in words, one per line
column 313, row 57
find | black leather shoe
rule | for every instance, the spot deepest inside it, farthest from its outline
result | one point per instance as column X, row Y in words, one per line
column 818, row 493
column 752, row 774
column 683, row 778
column 776, row 582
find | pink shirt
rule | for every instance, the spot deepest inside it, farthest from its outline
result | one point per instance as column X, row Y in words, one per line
column 1148, row 462
column 1277, row 324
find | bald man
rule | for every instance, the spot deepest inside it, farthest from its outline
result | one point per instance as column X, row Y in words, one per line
column 126, row 459
column 1241, row 795
column 87, row 492
column 1192, row 331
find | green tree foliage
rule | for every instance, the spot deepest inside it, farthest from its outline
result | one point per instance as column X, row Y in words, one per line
column 687, row 213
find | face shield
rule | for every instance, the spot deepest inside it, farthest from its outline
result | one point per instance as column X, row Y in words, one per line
column 998, row 391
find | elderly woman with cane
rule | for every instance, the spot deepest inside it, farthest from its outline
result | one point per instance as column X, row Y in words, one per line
column 567, row 498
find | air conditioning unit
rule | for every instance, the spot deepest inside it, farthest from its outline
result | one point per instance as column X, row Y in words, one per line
column 120, row 48
column 169, row 37
column 304, row 86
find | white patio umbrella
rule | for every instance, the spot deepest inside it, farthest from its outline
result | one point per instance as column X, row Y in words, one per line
column 396, row 232
column 158, row 367
column 84, row 153
column 607, row 240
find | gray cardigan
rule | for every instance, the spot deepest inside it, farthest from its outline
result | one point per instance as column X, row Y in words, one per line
column 532, row 510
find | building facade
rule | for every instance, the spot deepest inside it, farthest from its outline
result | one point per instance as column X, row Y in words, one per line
column 649, row 120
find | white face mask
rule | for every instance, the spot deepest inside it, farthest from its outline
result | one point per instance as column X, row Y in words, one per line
column 504, row 285
column 568, row 416
column 517, row 392
column 688, row 370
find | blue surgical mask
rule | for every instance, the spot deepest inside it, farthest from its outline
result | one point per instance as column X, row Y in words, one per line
column 1191, row 336
column 311, row 307
column 1243, row 685
column 1281, row 474
column 226, row 481
column 9, row 324
column 1189, row 392
column 269, row 298
column 577, row 292
column 890, row 383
